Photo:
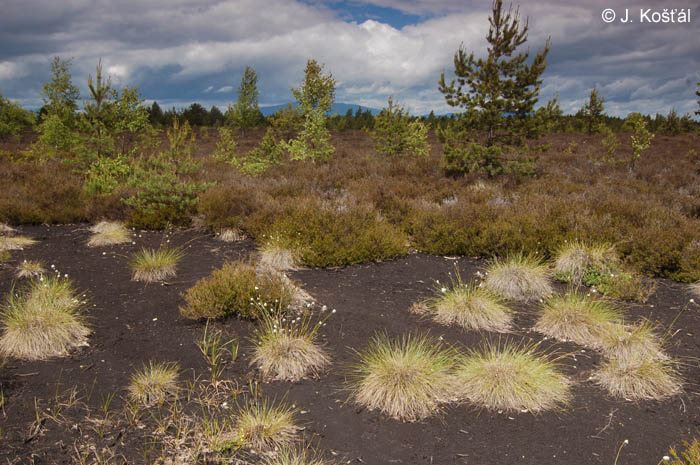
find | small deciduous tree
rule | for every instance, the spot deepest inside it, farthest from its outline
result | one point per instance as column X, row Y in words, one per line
column 500, row 90
column 13, row 118
column 60, row 95
column 246, row 113
column 395, row 134
column 315, row 96
column 641, row 137
column 592, row 111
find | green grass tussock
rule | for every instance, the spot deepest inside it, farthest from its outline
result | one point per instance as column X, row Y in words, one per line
column 236, row 288
column 689, row 455
column 470, row 306
column 520, row 277
column 154, row 383
column 265, row 426
column 107, row 233
column 154, row 265
column 512, row 378
column 405, row 378
column 15, row 243
column 575, row 317
column 42, row 320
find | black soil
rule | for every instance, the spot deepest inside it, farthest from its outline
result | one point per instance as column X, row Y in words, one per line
column 134, row 322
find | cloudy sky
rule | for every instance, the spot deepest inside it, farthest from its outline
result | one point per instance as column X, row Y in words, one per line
column 183, row 51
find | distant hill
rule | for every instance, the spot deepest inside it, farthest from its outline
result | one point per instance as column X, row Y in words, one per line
column 339, row 108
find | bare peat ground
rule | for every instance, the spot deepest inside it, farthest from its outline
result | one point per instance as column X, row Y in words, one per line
column 134, row 322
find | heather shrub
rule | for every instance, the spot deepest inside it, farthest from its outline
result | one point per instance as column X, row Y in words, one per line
column 236, row 288
column 327, row 236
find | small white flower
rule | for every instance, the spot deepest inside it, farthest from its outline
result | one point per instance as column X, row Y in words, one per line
column 324, row 308
column 626, row 441
column 333, row 311
column 444, row 289
column 666, row 458
column 692, row 301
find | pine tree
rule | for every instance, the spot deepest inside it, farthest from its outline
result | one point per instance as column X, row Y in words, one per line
column 499, row 91
column 395, row 134
column 593, row 111
column 60, row 95
column 246, row 113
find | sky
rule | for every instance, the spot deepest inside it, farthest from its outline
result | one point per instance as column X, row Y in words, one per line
column 182, row 51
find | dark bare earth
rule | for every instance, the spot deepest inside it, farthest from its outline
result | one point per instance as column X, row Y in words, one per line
column 134, row 323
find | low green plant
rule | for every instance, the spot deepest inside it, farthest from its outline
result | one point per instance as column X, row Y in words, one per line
column 42, row 319
column 154, row 383
column 689, row 456
column 268, row 153
column 286, row 346
column 153, row 265
column 236, row 288
column 107, row 233
column 216, row 351
column 506, row 376
column 264, row 425
column 469, row 306
column 622, row 285
column 575, row 317
column 519, row 277
column 406, row 378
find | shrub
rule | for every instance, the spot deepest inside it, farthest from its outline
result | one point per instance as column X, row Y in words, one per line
column 42, row 320
column 107, row 233
column 643, row 378
column 286, row 347
column 575, row 317
column 574, row 260
column 106, row 175
column 154, row 383
column 405, row 378
column 508, row 377
column 150, row 265
column 265, row 426
column 323, row 237
column 519, row 277
column 236, row 288
column 471, row 307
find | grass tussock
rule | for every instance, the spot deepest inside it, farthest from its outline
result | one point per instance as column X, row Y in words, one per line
column 629, row 342
column 511, row 377
column 7, row 230
column 522, row 278
column 154, row 383
column 230, row 235
column 576, row 317
column 574, row 260
column 272, row 255
column 30, row 269
column 644, row 378
column 264, row 426
column 470, row 306
column 236, row 288
column 295, row 456
column 689, row 455
column 154, row 265
column 695, row 289
column 42, row 320
column 405, row 378
column 15, row 243
column 106, row 233
column 286, row 348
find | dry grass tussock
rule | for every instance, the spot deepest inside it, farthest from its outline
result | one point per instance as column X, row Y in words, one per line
column 405, row 378
column 30, row 269
column 574, row 259
column 575, row 317
column 230, row 235
column 6, row 230
column 154, row 383
column 15, row 243
column 520, row 277
column 471, row 307
column 626, row 343
column 286, row 347
column 151, row 265
column 265, row 426
column 695, row 289
column 107, row 233
column 511, row 377
column 295, row 456
column 643, row 378
column 42, row 320
column 275, row 257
